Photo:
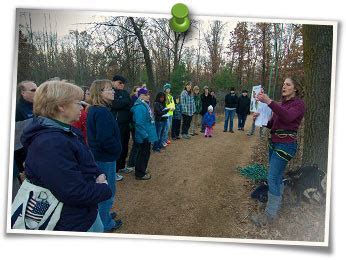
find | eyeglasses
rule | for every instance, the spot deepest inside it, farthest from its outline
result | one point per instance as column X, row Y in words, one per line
column 31, row 90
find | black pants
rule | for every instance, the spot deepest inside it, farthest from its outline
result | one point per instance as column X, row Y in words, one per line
column 142, row 159
column 134, row 151
column 186, row 124
column 176, row 123
column 19, row 158
column 125, row 138
column 241, row 120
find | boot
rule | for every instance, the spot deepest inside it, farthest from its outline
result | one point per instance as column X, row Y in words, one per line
column 273, row 205
column 270, row 213
column 261, row 219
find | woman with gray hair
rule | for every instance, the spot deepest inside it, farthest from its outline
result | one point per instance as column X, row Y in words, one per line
column 59, row 160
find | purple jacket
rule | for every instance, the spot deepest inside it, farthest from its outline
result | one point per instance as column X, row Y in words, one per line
column 287, row 115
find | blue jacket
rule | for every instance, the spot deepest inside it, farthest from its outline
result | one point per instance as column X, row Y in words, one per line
column 103, row 134
column 59, row 160
column 23, row 110
column 144, row 122
column 209, row 119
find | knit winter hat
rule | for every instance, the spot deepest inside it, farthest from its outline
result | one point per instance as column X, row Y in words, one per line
column 143, row 91
column 167, row 86
column 210, row 108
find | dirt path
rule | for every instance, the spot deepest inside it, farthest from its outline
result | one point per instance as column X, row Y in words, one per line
column 195, row 189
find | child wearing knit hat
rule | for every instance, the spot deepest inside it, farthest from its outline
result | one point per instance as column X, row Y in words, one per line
column 209, row 121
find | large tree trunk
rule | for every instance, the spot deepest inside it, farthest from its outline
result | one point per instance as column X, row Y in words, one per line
column 148, row 62
column 318, row 45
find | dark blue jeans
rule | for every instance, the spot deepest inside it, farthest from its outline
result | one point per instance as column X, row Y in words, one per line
column 229, row 116
column 160, row 130
column 241, row 120
column 277, row 165
column 108, row 168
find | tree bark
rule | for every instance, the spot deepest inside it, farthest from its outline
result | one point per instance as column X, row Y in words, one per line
column 318, row 46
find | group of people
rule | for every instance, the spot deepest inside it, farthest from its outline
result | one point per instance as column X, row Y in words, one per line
column 82, row 137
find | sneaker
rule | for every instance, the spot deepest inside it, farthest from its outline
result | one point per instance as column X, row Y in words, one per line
column 144, row 178
column 117, row 225
column 164, row 144
column 209, row 135
column 126, row 170
column 186, row 137
column 231, row 131
column 178, row 137
column 119, row 177
column 225, row 130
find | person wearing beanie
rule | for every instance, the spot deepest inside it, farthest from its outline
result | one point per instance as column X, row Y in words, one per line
column 243, row 109
column 209, row 121
column 121, row 106
column 170, row 105
column 146, row 135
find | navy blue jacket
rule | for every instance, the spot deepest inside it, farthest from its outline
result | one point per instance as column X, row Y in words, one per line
column 59, row 160
column 103, row 134
column 231, row 100
column 23, row 110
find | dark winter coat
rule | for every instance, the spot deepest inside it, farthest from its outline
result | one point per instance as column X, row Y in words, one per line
column 206, row 102
column 231, row 100
column 159, row 111
column 23, row 110
column 103, row 134
column 59, row 160
column 121, row 106
column 243, row 107
column 213, row 102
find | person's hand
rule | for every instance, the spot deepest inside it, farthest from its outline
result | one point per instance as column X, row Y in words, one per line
column 101, row 179
column 263, row 98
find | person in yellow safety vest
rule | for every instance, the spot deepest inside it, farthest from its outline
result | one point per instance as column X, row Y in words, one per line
column 171, row 106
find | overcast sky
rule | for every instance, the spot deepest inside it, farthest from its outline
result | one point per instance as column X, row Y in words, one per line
column 65, row 21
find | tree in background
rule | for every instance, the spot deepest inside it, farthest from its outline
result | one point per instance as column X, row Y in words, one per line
column 318, row 47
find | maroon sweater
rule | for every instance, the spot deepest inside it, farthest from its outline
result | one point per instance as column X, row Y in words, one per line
column 287, row 115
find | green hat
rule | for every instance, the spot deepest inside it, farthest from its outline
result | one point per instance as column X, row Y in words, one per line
column 167, row 86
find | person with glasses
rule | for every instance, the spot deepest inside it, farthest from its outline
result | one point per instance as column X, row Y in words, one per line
column 121, row 106
column 25, row 97
column 104, row 141
column 59, row 160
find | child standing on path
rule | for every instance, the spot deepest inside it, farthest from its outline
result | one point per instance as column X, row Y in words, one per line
column 176, row 123
column 209, row 120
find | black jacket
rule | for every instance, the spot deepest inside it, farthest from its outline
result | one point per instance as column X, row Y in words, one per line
column 121, row 106
column 243, row 105
column 213, row 101
column 231, row 100
column 158, row 111
column 206, row 102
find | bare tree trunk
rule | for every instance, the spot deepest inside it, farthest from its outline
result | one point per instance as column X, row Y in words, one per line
column 148, row 62
column 318, row 46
